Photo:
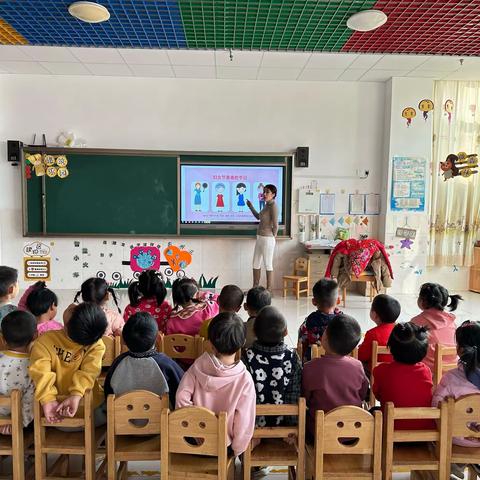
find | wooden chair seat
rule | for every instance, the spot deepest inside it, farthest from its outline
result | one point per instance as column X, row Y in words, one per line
column 299, row 278
column 464, row 454
column 137, row 448
column 201, row 466
column 301, row 275
column 418, row 456
column 367, row 277
column 272, row 451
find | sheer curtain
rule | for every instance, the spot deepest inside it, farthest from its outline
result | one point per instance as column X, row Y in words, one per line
column 455, row 203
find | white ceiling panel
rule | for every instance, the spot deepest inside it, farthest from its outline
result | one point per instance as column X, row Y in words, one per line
column 285, row 59
column 331, row 60
column 400, row 62
column 278, row 73
column 138, row 56
column 96, row 55
column 152, row 70
column 240, row 73
column 320, row 74
column 65, row 68
column 23, row 67
column 192, row 57
column 109, row 69
column 239, row 58
column 184, row 71
column 48, row 54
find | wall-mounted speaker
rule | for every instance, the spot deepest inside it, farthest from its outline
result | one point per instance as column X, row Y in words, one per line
column 301, row 157
column 14, row 151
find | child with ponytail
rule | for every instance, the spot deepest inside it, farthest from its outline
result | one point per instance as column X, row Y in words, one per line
column 465, row 379
column 148, row 295
column 432, row 300
column 96, row 290
column 191, row 307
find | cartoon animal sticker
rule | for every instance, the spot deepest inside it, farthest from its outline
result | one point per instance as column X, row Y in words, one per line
column 425, row 106
column 461, row 164
column 409, row 114
column 448, row 107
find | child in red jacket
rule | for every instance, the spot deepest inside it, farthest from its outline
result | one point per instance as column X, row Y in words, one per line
column 384, row 312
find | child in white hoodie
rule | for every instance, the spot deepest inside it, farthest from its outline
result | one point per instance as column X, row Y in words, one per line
column 222, row 384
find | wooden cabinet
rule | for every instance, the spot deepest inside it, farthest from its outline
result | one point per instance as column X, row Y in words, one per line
column 318, row 265
column 475, row 271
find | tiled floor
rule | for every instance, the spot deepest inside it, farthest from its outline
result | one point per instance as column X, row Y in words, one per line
column 295, row 312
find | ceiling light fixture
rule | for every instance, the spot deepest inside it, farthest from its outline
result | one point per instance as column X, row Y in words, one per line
column 89, row 12
column 366, row 20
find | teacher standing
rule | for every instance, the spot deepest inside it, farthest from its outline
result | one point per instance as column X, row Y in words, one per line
column 266, row 233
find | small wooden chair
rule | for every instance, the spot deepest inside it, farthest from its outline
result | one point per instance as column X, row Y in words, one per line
column 461, row 413
column 133, row 429
column 409, row 450
column 50, row 440
column 14, row 445
column 273, row 450
column 365, row 277
column 178, row 346
column 318, row 351
column 3, row 344
column 301, row 274
column 112, row 351
column 376, row 351
column 194, row 445
column 441, row 364
column 332, row 458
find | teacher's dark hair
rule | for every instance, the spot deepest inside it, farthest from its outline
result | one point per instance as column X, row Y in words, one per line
column 272, row 188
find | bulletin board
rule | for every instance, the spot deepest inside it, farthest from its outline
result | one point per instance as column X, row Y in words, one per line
column 409, row 179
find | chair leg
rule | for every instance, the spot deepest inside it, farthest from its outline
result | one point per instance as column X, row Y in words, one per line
column 297, row 290
column 344, row 296
column 285, row 288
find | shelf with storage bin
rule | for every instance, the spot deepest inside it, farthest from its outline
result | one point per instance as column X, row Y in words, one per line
column 475, row 271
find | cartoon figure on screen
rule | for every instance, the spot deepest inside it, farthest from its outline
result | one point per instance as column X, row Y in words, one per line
column 220, row 203
column 241, row 189
column 198, row 190
column 261, row 196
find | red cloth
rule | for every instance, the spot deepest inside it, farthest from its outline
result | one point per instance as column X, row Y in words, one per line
column 220, row 202
column 381, row 334
column 360, row 253
column 405, row 386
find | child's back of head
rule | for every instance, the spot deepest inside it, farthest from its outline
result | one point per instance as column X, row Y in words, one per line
column 386, row 308
column 140, row 332
column 19, row 329
column 433, row 295
column 467, row 337
column 87, row 324
column 149, row 285
column 257, row 298
column 408, row 343
column 230, row 298
column 226, row 333
column 184, row 291
column 8, row 282
column 96, row 290
column 342, row 335
column 325, row 294
column 42, row 300
column 270, row 326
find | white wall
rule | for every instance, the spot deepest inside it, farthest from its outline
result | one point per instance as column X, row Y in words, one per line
column 341, row 122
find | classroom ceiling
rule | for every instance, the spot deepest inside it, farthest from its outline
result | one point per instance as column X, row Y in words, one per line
column 435, row 27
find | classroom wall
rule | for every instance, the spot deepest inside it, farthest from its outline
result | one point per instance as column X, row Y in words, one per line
column 342, row 123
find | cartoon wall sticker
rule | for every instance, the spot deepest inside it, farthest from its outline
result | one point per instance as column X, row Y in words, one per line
column 448, row 107
column 459, row 165
column 409, row 113
column 178, row 259
column 144, row 258
column 425, row 106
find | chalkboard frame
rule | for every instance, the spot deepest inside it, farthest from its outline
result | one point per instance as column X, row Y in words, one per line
column 187, row 157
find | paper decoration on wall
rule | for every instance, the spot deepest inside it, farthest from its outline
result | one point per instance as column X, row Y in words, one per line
column 448, row 107
column 52, row 165
column 341, row 221
column 36, row 268
column 308, row 201
column 356, row 204
column 178, row 259
column 409, row 114
column 332, row 221
column 409, row 178
column 365, row 221
column 327, row 203
column 348, row 220
column 36, row 249
column 406, row 243
column 425, row 106
column 144, row 258
column 459, row 165
column 404, row 232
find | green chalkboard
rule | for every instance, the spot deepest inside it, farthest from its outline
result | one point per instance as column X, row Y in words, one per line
column 121, row 192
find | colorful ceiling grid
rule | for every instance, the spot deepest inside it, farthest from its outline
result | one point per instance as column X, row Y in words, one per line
column 413, row 26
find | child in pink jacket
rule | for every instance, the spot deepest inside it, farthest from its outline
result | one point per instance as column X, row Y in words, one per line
column 465, row 379
column 432, row 300
column 191, row 308
column 221, row 384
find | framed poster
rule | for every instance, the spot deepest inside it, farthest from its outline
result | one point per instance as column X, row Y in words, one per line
column 408, row 184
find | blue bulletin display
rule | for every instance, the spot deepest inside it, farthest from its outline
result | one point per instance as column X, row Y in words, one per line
column 408, row 184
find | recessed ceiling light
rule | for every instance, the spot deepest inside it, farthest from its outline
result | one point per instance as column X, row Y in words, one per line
column 89, row 12
column 366, row 20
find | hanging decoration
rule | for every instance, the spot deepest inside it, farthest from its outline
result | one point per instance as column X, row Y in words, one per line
column 448, row 107
column 51, row 165
column 459, row 165
column 425, row 106
column 409, row 114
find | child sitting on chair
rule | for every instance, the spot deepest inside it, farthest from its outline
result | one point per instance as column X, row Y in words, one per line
column 68, row 362
column 8, row 290
column 230, row 300
column 335, row 379
column 42, row 303
column 221, row 383
column 407, row 382
column 384, row 312
column 159, row 373
column 325, row 296
column 257, row 298
column 19, row 329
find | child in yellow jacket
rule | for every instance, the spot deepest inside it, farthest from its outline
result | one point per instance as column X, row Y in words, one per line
column 68, row 362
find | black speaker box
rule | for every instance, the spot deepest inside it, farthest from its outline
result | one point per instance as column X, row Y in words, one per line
column 14, row 151
column 301, row 157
